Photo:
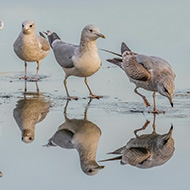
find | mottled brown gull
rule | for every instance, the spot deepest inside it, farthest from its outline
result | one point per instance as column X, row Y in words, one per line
column 78, row 60
column 148, row 72
column 146, row 150
column 30, row 47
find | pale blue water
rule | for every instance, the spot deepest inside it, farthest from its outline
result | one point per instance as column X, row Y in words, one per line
column 158, row 28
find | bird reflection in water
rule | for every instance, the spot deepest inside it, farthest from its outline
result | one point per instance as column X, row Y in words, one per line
column 30, row 110
column 147, row 150
column 82, row 135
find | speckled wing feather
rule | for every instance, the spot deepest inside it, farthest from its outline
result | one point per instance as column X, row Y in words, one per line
column 135, row 155
column 43, row 43
column 64, row 53
column 135, row 69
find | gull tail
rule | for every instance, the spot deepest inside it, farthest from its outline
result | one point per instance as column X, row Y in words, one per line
column 115, row 61
column 111, row 52
column 124, row 48
column 111, row 159
column 52, row 36
column 118, row 151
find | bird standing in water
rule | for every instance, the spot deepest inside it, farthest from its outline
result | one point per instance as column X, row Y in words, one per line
column 30, row 47
column 148, row 72
column 78, row 60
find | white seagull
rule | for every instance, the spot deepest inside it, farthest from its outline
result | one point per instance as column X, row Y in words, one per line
column 78, row 60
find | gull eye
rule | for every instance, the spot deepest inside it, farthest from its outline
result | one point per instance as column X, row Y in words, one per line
column 91, row 30
column 90, row 170
column 31, row 26
column 23, row 25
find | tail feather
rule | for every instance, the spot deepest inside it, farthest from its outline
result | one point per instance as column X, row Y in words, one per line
column 52, row 36
column 116, row 61
column 111, row 52
column 118, row 151
column 111, row 159
column 41, row 34
column 124, row 48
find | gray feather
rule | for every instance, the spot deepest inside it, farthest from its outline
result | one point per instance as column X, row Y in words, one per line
column 124, row 48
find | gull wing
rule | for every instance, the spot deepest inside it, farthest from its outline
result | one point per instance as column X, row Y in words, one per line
column 43, row 43
column 63, row 53
column 135, row 155
column 137, row 67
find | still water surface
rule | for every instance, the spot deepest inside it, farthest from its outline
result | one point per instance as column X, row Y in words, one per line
column 153, row 28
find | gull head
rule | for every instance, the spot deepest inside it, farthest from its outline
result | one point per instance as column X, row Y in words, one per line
column 165, row 143
column 1, row 25
column 166, row 88
column 91, row 32
column 27, row 136
column 28, row 27
column 91, row 168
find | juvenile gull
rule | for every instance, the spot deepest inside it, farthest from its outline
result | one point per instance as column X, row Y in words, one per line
column 82, row 135
column 29, row 111
column 147, row 150
column 148, row 72
column 78, row 60
column 1, row 25
column 30, row 47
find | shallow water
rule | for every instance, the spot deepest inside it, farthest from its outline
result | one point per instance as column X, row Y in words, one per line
column 153, row 28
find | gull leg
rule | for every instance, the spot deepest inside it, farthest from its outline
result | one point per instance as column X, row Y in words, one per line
column 35, row 79
column 25, row 73
column 143, row 97
column 68, row 96
column 155, row 111
column 91, row 94
column 142, row 128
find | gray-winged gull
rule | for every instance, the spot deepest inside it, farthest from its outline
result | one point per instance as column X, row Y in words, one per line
column 78, row 60
column 30, row 47
column 82, row 135
column 148, row 72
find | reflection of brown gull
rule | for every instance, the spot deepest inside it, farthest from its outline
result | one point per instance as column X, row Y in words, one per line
column 29, row 111
column 148, row 72
column 146, row 151
column 82, row 135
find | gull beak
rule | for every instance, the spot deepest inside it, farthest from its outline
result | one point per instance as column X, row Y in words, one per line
column 101, row 35
column 101, row 167
column 171, row 101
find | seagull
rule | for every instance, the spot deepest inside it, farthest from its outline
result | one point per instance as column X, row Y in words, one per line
column 29, row 111
column 147, row 150
column 148, row 72
column 82, row 135
column 1, row 25
column 30, row 47
column 78, row 60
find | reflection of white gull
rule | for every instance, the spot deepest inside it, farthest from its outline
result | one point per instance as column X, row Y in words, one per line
column 148, row 72
column 28, row 112
column 146, row 151
column 82, row 135
column 80, row 61
column 1, row 25
column 30, row 47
